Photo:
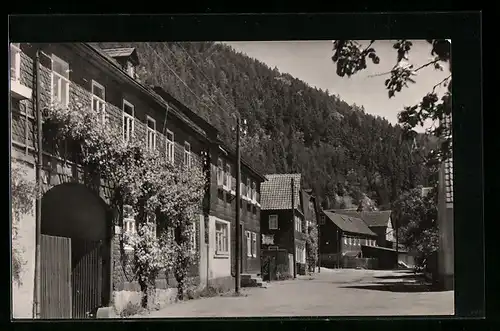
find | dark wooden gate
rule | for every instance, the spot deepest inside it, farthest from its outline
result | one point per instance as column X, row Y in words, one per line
column 55, row 277
column 274, row 264
column 87, row 277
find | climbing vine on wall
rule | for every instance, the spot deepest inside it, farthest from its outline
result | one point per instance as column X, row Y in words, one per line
column 160, row 193
column 23, row 194
column 312, row 247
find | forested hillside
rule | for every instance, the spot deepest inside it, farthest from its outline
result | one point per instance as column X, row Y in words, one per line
column 343, row 153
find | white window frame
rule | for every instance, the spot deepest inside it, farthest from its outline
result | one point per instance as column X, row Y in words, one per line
column 187, row 154
column 63, row 81
column 129, row 120
column 170, row 147
column 254, row 244
column 15, row 62
column 345, row 241
column 129, row 226
column 220, row 172
column 298, row 224
column 249, row 189
column 273, row 219
column 222, row 247
column 150, row 133
column 130, row 69
column 228, row 174
column 193, row 237
column 248, row 235
column 254, row 192
column 101, row 102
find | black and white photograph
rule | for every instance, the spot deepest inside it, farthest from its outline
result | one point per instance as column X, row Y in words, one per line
column 231, row 179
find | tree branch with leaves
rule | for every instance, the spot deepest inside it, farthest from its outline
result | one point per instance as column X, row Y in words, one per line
column 351, row 57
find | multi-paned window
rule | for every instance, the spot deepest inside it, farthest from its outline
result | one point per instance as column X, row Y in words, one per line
column 170, row 149
column 151, row 133
column 99, row 100
column 128, row 121
column 221, row 238
column 15, row 62
column 130, row 69
column 300, row 254
column 220, row 172
column 187, row 154
column 273, row 222
column 228, row 177
column 249, row 189
column 129, row 226
column 249, row 243
column 60, row 81
column 193, row 237
column 298, row 224
column 254, row 244
column 242, row 189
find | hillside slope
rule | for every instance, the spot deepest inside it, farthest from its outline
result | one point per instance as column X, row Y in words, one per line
column 342, row 152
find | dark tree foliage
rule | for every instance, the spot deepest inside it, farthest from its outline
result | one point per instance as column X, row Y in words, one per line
column 291, row 127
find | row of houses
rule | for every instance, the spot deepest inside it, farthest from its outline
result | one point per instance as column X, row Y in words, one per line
column 83, row 263
column 89, row 271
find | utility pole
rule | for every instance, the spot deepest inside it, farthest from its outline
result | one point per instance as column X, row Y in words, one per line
column 238, row 197
column 397, row 241
column 38, row 228
column 294, row 245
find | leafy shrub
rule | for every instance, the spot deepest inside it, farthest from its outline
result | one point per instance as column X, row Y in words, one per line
column 132, row 309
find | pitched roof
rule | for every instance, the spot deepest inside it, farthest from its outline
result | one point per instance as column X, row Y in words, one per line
column 349, row 223
column 276, row 192
column 371, row 218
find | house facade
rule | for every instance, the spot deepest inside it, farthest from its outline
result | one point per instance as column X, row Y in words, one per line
column 445, row 254
column 76, row 216
column 342, row 236
column 379, row 222
column 220, row 204
column 281, row 227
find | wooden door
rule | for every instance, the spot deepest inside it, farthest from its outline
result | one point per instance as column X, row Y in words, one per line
column 55, row 277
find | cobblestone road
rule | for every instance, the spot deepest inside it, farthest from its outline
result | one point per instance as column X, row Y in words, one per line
column 329, row 293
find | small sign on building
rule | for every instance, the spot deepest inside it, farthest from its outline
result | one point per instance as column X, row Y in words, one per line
column 268, row 239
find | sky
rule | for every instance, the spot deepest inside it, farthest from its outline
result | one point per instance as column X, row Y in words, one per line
column 311, row 62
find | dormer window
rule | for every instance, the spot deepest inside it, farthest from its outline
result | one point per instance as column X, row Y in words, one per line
column 126, row 57
column 130, row 69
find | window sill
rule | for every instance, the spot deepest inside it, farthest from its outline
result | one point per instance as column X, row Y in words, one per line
column 19, row 91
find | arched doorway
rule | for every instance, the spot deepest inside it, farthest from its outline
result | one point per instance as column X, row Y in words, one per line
column 75, row 249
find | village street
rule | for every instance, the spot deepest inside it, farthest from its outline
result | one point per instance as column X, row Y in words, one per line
column 343, row 292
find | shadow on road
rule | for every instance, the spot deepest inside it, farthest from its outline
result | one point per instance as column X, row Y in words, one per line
column 401, row 287
column 405, row 276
